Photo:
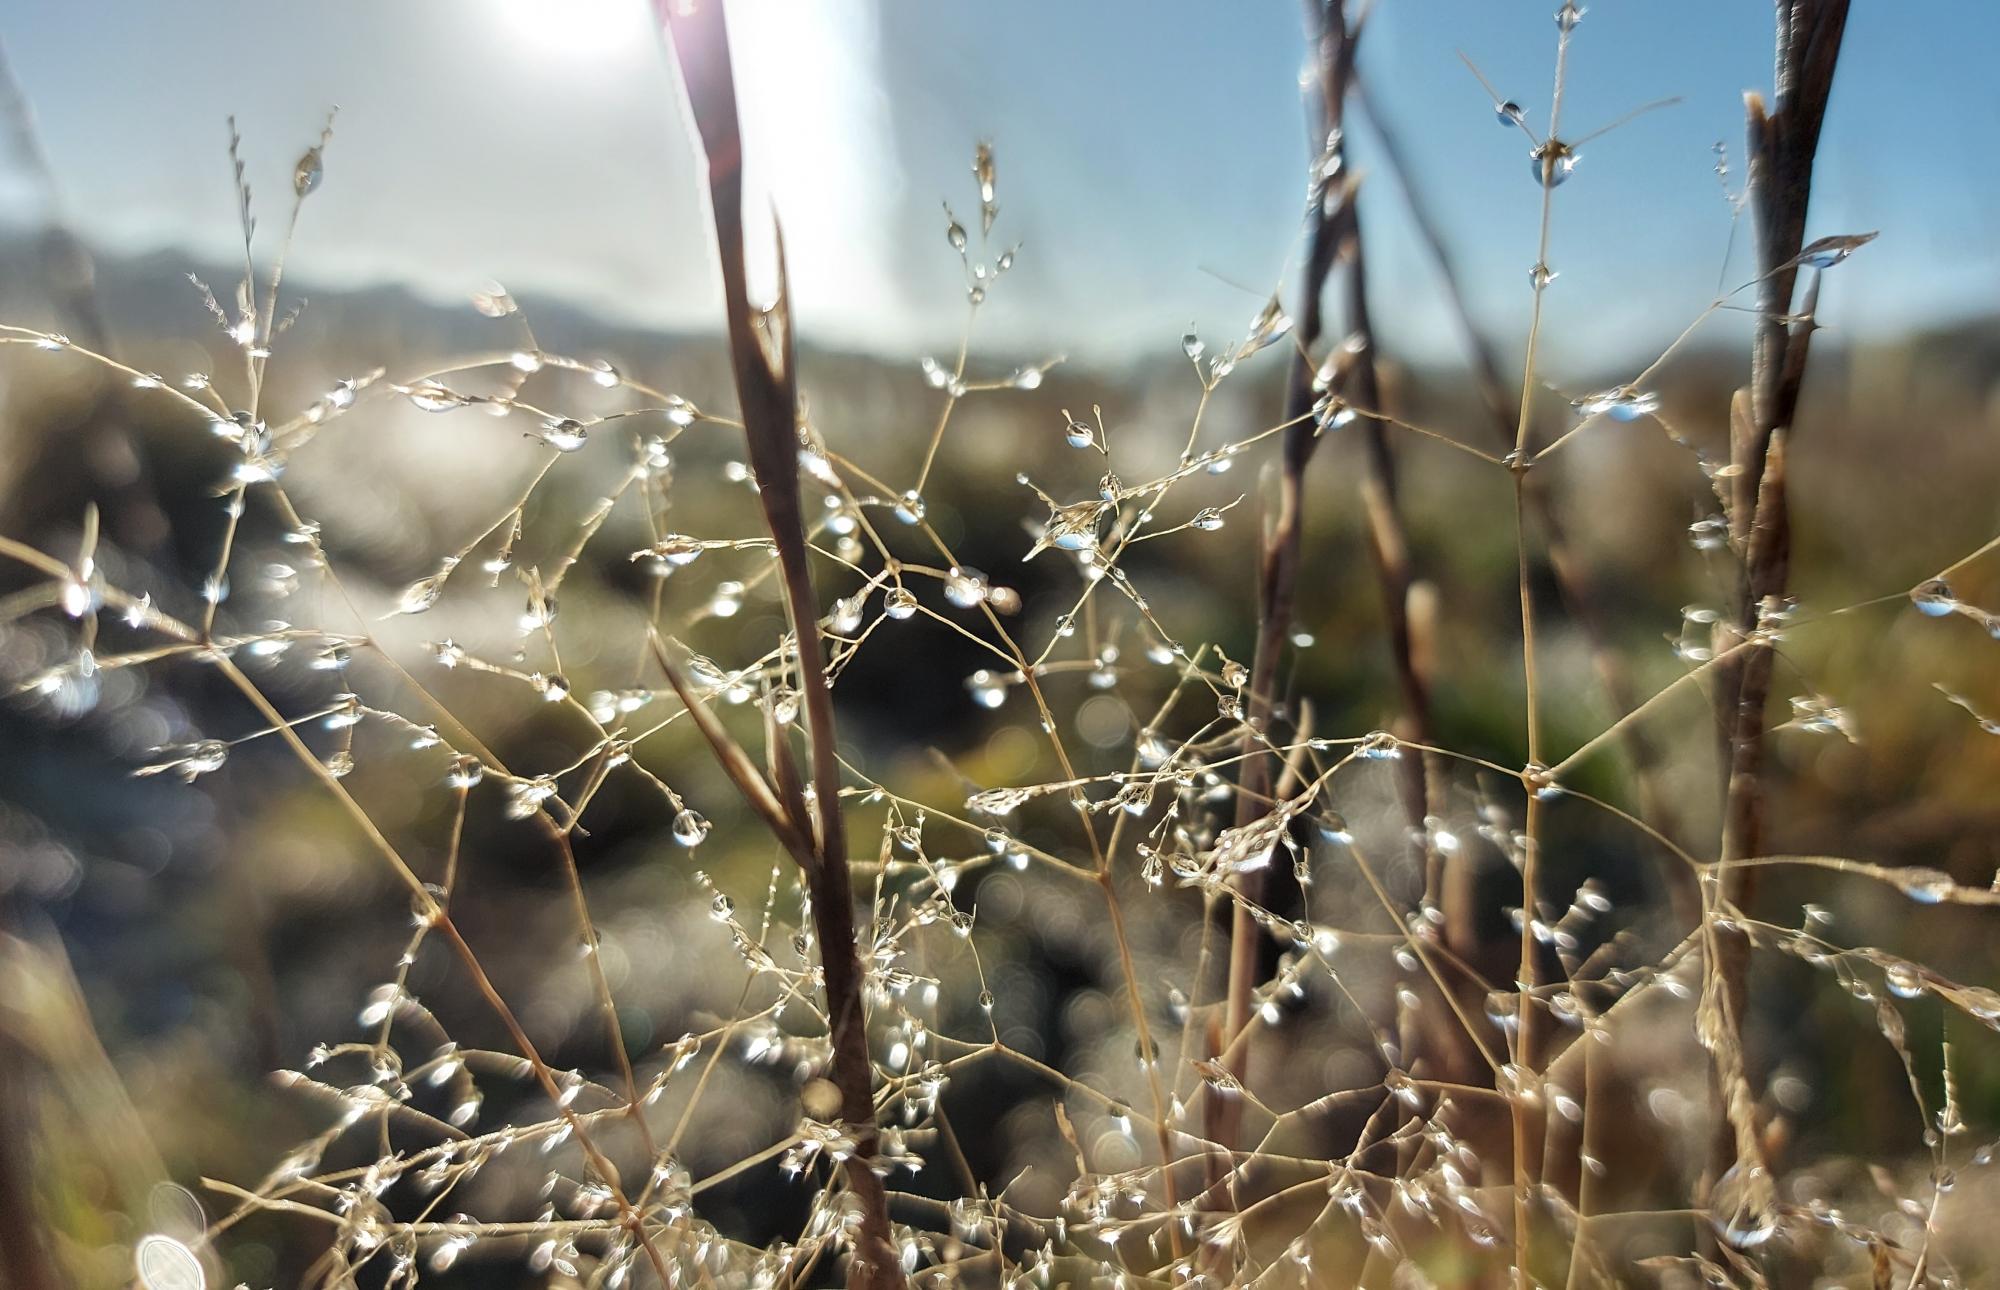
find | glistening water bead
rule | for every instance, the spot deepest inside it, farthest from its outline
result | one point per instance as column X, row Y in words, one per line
column 204, row 757
column 690, row 827
column 429, row 396
column 1552, row 162
column 1934, row 598
column 564, row 434
column 1620, row 404
column 1825, row 252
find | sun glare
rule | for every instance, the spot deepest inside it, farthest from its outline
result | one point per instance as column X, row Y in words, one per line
column 581, row 29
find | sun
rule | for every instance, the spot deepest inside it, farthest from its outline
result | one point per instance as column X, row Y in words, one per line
column 580, row 30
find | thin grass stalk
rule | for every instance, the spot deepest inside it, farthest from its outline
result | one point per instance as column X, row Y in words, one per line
column 760, row 347
column 1571, row 579
column 1782, row 144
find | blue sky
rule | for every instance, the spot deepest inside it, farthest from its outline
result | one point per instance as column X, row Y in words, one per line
column 1151, row 155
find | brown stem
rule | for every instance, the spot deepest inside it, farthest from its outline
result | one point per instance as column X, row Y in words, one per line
column 1333, row 235
column 760, row 346
column 1782, row 145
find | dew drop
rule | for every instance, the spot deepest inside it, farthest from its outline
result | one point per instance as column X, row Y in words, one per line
column 429, row 396
column 1271, row 323
column 690, row 827
column 1905, row 981
column 307, row 174
column 1924, row 885
column 205, row 757
column 1825, row 252
column 1379, row 745
column 1710, row 533
column 1934, row 598
column 420, row 595
column 1622, row 403
column 564, row 434
column 1552, row 162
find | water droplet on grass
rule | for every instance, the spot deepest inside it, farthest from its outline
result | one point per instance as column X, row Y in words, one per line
column 307, row 174
column 1552, row 163
column 564, row 434
column 1924, row 885
column 1622, row 403
column 1934, row 598
column 690, row 827
column 429, row 396
column 1825, row 252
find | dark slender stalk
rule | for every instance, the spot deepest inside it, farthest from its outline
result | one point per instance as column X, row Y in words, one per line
column 1333, row 236
column 1782, row 144
column 760, row 346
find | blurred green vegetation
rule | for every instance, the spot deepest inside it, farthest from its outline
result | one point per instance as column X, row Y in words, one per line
column 217, row 937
